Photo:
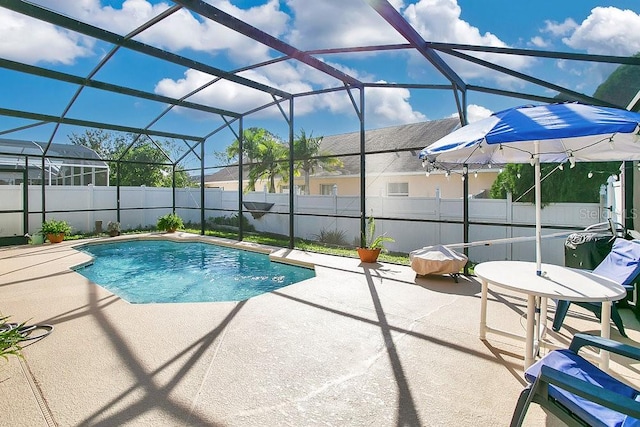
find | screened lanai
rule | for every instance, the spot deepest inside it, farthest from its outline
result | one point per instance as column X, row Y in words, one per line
column 187, row 79
column 66, row 164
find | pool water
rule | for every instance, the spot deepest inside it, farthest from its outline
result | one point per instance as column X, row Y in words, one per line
column 164, row 271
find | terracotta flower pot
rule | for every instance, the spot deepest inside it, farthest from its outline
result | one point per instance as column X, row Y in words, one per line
column 368, row 255
column 55, row 238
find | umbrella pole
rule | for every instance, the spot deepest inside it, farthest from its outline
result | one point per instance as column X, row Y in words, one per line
column 542, row 314
column 538, row 200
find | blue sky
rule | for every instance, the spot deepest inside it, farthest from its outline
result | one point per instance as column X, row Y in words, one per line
column 583, row 26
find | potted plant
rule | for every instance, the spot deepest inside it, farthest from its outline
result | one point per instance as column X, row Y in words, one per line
column 55, row 230
column 113, row 228
column 373, row 244
column 170, row 222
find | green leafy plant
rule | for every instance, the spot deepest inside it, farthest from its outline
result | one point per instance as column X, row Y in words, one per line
column 373, row 241
column 170, row 222
column 53, row 226
column 10, row 338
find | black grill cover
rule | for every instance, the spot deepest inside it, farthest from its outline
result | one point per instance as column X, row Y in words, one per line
column 586, row 250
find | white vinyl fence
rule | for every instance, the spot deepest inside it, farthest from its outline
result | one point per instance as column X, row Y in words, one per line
column 416, row 225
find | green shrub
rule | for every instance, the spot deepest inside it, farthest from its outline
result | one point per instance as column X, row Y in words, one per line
column 170, row 222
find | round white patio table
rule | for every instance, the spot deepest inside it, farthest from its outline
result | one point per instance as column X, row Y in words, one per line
column 556, row 282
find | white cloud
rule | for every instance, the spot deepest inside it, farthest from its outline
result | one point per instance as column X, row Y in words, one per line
column 475, row 113
column 439, row 21
column 397, row 4
column 538, row 42
column 385, row 107
column 607, row 31
column 222, row 94
column 181, row 30
column 28, row 40
column 338, row 23
column 132, row 13
column 559, row 29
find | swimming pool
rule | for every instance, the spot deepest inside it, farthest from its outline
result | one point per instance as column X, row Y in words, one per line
column 143, row 271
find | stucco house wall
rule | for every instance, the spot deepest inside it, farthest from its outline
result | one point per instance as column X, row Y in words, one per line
column 418, row 185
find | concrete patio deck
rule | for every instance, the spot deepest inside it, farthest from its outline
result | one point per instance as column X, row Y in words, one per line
column 358, row 345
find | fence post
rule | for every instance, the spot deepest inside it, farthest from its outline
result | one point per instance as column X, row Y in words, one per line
column 91, row 215
column 509, row 220
column 143, row 217
column 438, row 212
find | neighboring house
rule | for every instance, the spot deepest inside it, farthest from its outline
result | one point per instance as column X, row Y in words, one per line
column 68, row 164
column 392, row 166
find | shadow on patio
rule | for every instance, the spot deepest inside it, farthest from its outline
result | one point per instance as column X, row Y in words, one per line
column 356, row 345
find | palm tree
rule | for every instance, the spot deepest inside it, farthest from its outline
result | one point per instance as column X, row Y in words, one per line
column 271, row 158
column 251, row 140
column 309, row 157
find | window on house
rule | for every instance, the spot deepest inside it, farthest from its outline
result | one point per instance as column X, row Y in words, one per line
column 398, row 189
column 327, row 189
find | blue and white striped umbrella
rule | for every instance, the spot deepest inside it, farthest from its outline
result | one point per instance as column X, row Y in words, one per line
column 562, row 131
column 541, row 134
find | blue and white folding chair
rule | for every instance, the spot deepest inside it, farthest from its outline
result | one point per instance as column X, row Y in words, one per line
column 622, row 265
column 578, row 392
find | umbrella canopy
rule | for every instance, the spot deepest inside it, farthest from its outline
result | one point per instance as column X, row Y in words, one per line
column 548, row 134
column 568, row 131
